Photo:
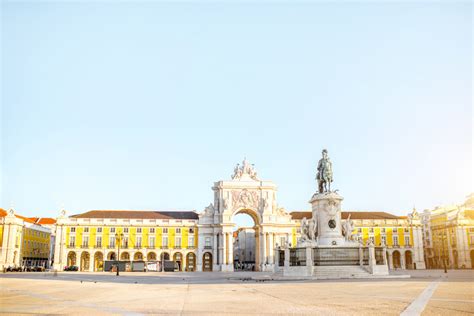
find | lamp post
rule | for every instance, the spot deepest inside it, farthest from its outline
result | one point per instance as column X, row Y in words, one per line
column 444, row 253
column 118, row 240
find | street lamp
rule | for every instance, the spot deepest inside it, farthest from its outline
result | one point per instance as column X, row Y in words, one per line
column 118, row 240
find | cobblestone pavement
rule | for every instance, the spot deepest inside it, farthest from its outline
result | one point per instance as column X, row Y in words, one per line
column 233, row 294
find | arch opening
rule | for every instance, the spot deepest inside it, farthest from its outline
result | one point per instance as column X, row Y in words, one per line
column 245, row 240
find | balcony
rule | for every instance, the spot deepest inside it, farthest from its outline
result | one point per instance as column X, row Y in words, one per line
column 177, row 247
column 150, row 247
column 71, row 246
column 138, row 246
column 111, row 247
column 164, row 247
column 207, row 247
column 191, row 247
column 84, row 246
column 98, row 246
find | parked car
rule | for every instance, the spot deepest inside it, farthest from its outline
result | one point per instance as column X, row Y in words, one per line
column 37, row 269
column 71, row 268
column 14, row 269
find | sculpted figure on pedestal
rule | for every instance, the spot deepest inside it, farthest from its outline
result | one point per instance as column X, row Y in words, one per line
column 209, row 210
column 313, row 228
column 245, row 169
column 305, row 229
column 324, row 175
column 348, row 228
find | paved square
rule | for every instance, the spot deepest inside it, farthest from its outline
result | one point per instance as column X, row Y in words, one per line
column 230, row 293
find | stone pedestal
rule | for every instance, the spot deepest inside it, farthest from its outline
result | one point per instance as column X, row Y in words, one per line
column 326, row 209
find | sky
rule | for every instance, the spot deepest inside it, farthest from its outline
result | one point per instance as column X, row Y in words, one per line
column 144, row 105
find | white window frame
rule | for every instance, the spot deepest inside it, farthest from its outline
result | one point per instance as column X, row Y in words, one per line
column 395, row 238
column 150, row 243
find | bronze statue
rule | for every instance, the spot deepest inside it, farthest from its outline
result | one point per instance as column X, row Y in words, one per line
column 324, row 175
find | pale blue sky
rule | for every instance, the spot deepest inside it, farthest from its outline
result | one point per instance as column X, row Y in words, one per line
column 145, row 105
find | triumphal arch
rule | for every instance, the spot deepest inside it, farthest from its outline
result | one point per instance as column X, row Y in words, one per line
column 245, row 193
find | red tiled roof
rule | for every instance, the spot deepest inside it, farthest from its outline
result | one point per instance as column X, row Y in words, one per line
column 129, row 214
column 43, row 220
column 4, row 213
column 354, row 215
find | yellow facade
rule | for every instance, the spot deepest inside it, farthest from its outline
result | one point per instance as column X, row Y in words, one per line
column 131, row 236
column 35, row 243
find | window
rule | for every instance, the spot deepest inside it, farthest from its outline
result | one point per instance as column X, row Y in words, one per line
column 139, row 230
column 282, row 241
column 383, row 230
column 178, row 230
column 99, row 229
column 85, row 241
column 112, row 229
column 152, row 230
column 73, row 230
column 125, row 242
column 407, row 230
column 177, row 242
column 125, row 230
column 384, row 240
column 86, row 229
column 98, row 242
column 394, row 231
column 151, row 242
column 72, row 241
column 407, row 240
column 138, row 243
column 165, row 230
column 164, row 241
column 190, row 241
column 372, row 240
column 371, row 230
column 359, row 230
column 395, row 240
column 472, row 239
column 207, row 242
column 471, row 229
column 191, row 230
column 111, row 242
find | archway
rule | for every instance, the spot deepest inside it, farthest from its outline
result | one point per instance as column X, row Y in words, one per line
column 85, row 261
column 151, row 256
column 246, row 241
column 207, row 261
column 98, row 261
column 125, row 256
column 472, row 259
column 408, row 260
column 111, row 256
column 178, row 260
column 165, row 256
column 71, row 258
column 396, row 259
column 191, row 262
column 138, row 256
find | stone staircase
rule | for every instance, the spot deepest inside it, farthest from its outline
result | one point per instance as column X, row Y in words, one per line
column 340, row 272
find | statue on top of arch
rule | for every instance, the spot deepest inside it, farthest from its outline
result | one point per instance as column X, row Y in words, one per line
column 246, row 169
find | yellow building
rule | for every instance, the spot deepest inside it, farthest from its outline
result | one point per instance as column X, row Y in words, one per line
column 94, row 240
column 449, row 235
column 25, row 241
column 401, row 235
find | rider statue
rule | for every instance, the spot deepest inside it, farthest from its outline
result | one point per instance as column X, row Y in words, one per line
column 324, row 175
